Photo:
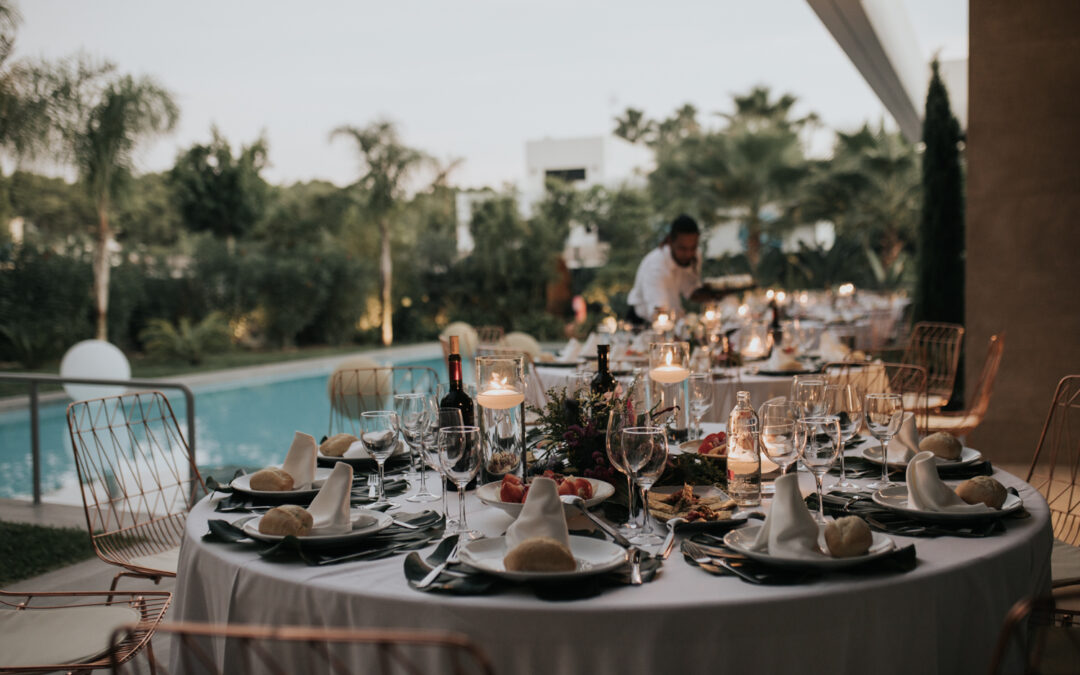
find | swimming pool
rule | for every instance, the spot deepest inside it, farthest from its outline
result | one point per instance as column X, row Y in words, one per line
column 244, row 422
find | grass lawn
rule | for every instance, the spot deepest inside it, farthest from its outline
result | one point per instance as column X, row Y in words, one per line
column 29, row 550
column 142, row 367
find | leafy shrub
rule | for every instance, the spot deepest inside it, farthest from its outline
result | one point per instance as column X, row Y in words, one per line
column 184, row 341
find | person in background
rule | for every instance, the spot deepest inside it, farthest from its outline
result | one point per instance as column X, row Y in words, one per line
column 668, row 274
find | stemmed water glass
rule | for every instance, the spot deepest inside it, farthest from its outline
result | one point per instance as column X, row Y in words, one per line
column 842, row 401
column 884, row 412
column 439, row 418
column 778, row 436
column 819, row 443
column 414, row 411
column 460, row 453
column 378, row 433
column 645, row 451
column 808, row 397
column 701, row 387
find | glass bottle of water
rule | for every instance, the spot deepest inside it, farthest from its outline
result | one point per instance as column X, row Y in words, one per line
column 743, row 458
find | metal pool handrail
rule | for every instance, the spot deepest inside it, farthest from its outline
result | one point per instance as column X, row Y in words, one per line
column 33, row 379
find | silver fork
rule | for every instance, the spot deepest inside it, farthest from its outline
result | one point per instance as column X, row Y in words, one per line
column 706, row 561
column 438, row 569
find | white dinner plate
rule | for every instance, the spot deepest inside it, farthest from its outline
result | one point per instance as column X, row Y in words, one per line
column 357, row 456
column 365, row 523
column 488, row 493
column 872, row 453
column 243, row 484
column 895, row 497
column 742, row 539
column 593, row 556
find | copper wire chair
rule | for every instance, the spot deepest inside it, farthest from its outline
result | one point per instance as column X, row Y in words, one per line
column 150, row 605
column 964, row 422
column 138, row 481
column 271, row 650
column 489, row 334
column 355, row 390
column 1054, row 472
column 1046, row 636
column 897, row 378
column 936, row 347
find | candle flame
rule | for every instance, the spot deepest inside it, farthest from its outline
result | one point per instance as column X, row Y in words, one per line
column 769, row 294
column 744, row 310
column 781, row 297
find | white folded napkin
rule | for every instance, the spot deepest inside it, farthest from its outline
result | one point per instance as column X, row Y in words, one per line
column 779, row 361
column 571, row 351
column 831, row 349
column 330, row 508
column 300, row 462
column 541, row 516
column 789, row 531
column 589, row 348
column 905, row 444
column 927, row 492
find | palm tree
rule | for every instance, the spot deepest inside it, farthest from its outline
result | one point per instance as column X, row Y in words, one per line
column 386, row 166
column 126, row 112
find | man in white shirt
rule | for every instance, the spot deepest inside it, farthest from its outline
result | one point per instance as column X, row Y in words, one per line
column 668, row 274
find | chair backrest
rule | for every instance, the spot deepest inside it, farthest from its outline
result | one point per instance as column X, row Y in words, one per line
column 272, row 650
column 355, row 390
column 489, row 334
column 1039, row 637
column 1055, row 466
column 136, row 472
column 936, row 347
column 534, row 391
column 898, row 378
column 979, row 402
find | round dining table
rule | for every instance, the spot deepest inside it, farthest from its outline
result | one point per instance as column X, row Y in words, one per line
column 941, row 617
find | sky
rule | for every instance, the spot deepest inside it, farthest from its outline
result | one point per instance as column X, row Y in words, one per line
column 468, row 79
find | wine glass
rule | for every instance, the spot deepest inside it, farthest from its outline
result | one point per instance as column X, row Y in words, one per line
column 778, row 436
column 440, row 418
column 378, row 433
column 701, row 387
column 808, row 397
column 843, row 402
column 884, row 412
column 818, row 440
column 414, row 412
column 645, row 450
column 629, row 412
column 460, row 453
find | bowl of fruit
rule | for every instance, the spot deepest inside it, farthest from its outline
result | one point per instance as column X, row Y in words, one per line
column 713, row 445
column 509, row 493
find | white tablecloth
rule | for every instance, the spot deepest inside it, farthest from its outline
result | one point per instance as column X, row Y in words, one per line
column 942, row 617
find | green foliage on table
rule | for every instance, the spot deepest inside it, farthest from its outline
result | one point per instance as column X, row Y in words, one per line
column 694, row 469
column 939, row 289
column 187, row 341
column 570, row 435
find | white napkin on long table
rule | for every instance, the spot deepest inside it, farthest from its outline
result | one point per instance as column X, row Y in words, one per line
column 927, row 492
column 571, row 351
column 541, row 516
column 789, row 531
column 905, row 444
column 831, row 349
column 330, row 508
column 300, row 462
column 589, row 348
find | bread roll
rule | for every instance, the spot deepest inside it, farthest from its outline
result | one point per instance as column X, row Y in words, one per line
column 848, row 537
column 943, row 444
column 337, row 445
column 540, row 554
column 271, row 479
column 286, row 520
column 982, row 490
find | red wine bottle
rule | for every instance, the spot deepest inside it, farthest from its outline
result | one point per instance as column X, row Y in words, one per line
column 456, row 396
column 603, row 381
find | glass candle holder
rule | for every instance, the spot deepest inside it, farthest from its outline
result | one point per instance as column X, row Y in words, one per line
column 500, row 393
column 669, row 362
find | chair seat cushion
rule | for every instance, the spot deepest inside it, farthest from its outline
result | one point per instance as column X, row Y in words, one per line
column 43, row 637
column 948, row 422
column 1064, row 564
column 166, row 561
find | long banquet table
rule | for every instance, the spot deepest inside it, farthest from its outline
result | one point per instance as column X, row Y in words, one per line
column 942, row 617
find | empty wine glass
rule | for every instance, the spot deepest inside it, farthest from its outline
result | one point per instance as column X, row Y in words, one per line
column 778, row 436
column 378, row 433
column 624, row 414
column 414, row 412
column 818, row 441
column 441, row 417
column 808, row 397
column 843, row 402
column 701, row 390
column 645, row 450
column 460, row 453
column 884, row 412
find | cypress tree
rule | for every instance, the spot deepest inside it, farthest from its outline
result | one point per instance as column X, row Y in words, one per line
column 939, row 288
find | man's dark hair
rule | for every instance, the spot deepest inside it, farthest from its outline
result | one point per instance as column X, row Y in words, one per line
column 683, row 224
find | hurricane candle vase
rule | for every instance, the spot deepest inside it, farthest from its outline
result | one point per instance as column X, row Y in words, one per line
column 501, row 397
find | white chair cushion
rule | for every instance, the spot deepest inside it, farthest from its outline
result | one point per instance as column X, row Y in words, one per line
column 1064, row 563
column 166, row 561
column 41, row 637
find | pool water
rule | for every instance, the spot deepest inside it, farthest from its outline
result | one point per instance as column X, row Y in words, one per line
column 242, row 423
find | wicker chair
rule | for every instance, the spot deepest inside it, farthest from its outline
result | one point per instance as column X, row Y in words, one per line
column 1054, row 472
column 1047, row 637
column 489, row 334
column 149, row 605
column 964, row 422
column 936, row 347
column 898, row 378
column 138, row 481
column 271, row 650
column 355, row 390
